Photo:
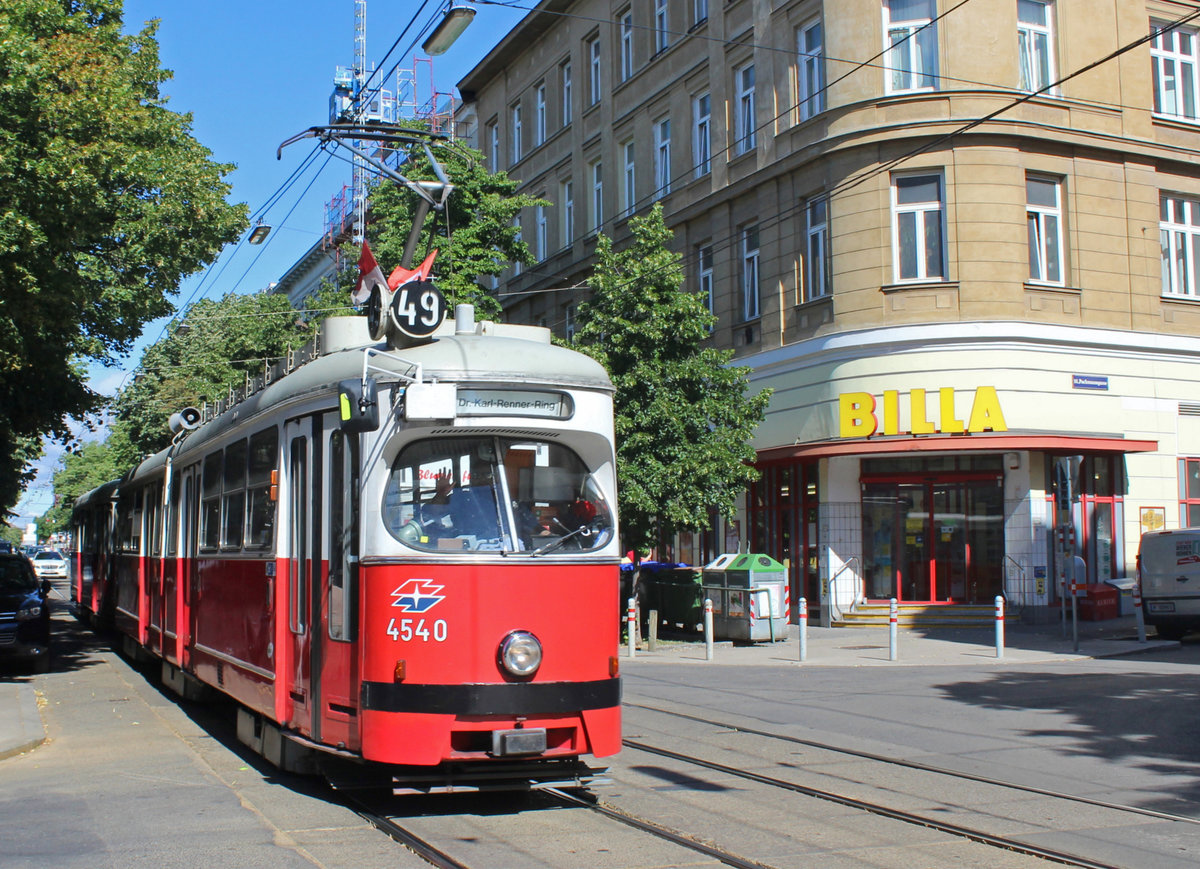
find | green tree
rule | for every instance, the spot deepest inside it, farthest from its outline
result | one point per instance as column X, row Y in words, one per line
column 479, row 218
column 108, row 202
column 212, row 349
column 683, row 420
column 84, row 469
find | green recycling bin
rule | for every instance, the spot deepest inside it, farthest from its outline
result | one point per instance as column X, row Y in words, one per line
column 749, row 593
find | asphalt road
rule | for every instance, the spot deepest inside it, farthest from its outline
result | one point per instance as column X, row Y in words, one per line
column 130, row 777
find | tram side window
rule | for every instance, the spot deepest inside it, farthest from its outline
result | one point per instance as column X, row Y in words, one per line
column 343, row 502
column 210, row 509
column 233, row 499
column 264, row 449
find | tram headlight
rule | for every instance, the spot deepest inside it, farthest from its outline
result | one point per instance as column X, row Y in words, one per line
column 521, row 654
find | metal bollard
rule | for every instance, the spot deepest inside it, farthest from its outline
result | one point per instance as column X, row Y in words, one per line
column 708, row 629
column 999, row 626
column 803, row 629
column 652, row 640
column 1137, row 611
column 893, row 620
column 631, row 627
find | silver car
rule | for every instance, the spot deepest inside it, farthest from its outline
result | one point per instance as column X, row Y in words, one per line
column 49, row 564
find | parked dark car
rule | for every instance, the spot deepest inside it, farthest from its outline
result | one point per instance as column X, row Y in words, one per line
column 24, row 613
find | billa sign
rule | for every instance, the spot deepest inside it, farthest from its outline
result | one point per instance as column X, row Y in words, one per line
column 861, row 416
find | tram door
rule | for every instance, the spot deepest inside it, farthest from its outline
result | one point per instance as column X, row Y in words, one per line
column 335, row 663
column 303, row 488
column 178, row 610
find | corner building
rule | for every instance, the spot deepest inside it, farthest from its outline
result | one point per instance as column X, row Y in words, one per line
column 958, row 241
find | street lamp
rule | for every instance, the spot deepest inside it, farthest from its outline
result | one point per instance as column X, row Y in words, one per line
column 259, row 234
column 451, row 27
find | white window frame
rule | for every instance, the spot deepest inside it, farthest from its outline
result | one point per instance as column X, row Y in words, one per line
column 494, row 146
column 594, row 92
column 925, row 271
column 1179, row 237
column 746, row 125
column 515, row 144
column 817, row 279
column 704, row 274
column 596, row 171
column 539, row 115
column 541, row 242
column 662, row 157
column 662, row 26
column 1044, row 223
column 564, row 75
column 810, row 69
column 629, row 187
column 702, row 134
column 567, row 200
column 907, row 44
column 1174, row 55
column 625, row 20
column 750, row 276
column 1035, row 46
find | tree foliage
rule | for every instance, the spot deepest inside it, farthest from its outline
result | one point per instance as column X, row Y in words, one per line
column 683, row 420
column 108, row 202
column 92, row 465
column 479, row 218
column 212, row 349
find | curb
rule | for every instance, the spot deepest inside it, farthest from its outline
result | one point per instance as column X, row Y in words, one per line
column 30, row 732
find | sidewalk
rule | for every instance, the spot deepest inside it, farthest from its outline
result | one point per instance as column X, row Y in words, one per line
column 21, row 727
column 942, row 646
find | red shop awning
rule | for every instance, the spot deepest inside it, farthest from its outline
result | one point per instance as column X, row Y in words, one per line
column 975, row 443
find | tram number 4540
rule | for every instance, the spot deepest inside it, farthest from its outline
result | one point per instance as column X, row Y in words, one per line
column 410, row 629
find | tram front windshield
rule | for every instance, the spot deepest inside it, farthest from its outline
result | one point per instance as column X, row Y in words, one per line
column 491, row 493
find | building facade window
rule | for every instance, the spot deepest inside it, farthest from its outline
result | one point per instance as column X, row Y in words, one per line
column 629, row 188
column 910, row 45
column 810, row 83
column 918, row 228
column 1035, row 43
column 745, row 124
column 1179, row 236
column 517, row 265
column 750, row 290
column 515, row 150
column 1189, row 493
column 564, row 77
column 1173, row 54
column 662, row 26
column 597, row 203
column 817, row 281
column 626, row 19
column 699, row 11
column 541, row 242
column 593, row 55
column 569, row 322
column 704, row 263
column 493, row 140
column 1043, row 215
column 539, row 116
column 662, row 157
column 567, row 205
column 702, row 134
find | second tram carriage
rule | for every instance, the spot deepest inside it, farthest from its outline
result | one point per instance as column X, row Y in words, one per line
column 405, row 557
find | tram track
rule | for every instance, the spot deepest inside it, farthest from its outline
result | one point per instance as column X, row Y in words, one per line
column 923, row 767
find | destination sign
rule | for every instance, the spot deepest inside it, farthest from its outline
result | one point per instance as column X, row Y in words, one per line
column 512, row 402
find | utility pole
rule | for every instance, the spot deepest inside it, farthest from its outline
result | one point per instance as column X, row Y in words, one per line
column 360, row 116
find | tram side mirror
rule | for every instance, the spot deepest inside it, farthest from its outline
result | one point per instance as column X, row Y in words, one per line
column 358, row 405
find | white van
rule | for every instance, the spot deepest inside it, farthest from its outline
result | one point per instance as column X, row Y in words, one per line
column 1169, row 575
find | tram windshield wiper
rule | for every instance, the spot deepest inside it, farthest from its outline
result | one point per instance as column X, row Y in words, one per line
column 582, row 530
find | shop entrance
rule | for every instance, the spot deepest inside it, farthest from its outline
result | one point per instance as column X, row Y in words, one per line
column 938, row 539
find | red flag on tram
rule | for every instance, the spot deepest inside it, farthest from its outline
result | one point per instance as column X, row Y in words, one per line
column 369, row 274
column 401, row 275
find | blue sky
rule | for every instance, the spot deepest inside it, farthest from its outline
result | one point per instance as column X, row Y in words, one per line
column 253, row 75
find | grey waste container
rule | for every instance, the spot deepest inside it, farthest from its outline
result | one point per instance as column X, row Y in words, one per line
column 749, row 596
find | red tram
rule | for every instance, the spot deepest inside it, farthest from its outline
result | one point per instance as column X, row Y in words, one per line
column 405, row 557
